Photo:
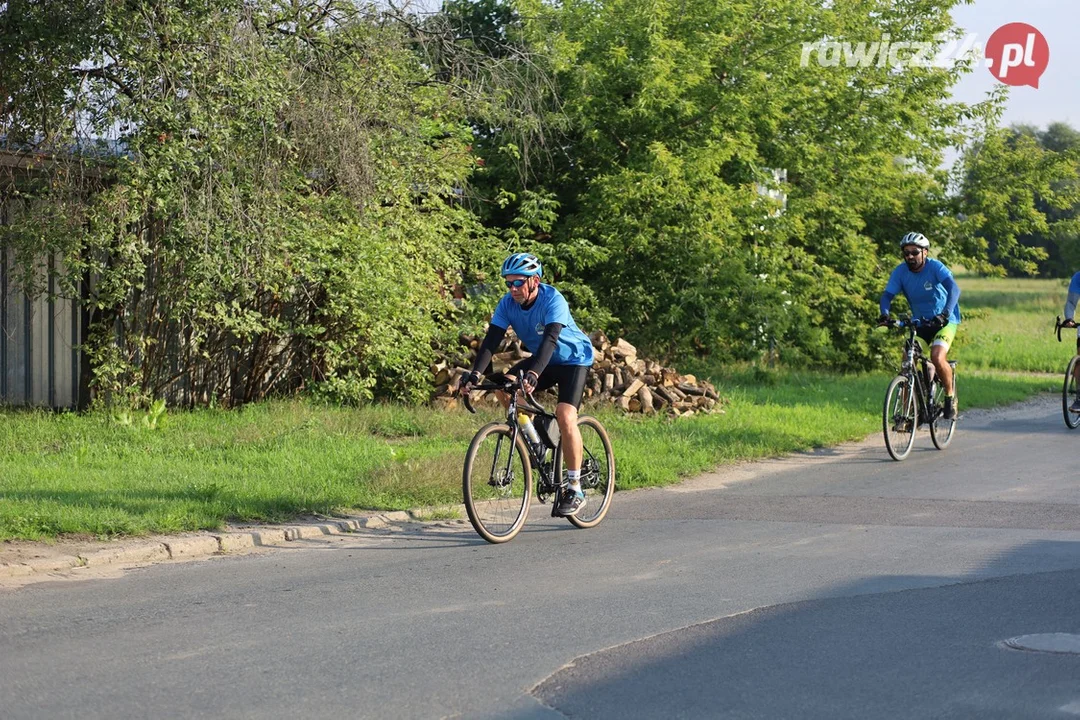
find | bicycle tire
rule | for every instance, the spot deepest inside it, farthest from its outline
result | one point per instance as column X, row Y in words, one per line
column 1068, row 391
column 497, row 483
column 942, row 430
column 898, row 414
column 597, row 472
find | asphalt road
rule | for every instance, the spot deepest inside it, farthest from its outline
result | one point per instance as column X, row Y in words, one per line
column 830, row 585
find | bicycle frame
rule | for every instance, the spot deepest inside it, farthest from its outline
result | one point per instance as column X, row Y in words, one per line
column 546, row 484
column 919, row 371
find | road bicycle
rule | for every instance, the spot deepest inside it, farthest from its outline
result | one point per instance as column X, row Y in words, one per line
column 497, row 481
column 1070, row 388
column 915, row 398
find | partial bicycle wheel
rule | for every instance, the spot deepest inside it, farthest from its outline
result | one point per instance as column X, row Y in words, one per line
column 941, row 430
column 1069, row 393
column 898, row 418
column 597, row 472
column 497, row 483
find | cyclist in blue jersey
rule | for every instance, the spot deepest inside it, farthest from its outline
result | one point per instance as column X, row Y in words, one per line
column 1070, row 312
column 561, row 356
column 934, row 297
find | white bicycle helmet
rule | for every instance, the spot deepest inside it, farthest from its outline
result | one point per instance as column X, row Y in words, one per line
column 914, row 238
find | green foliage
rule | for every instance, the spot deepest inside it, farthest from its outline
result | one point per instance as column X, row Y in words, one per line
column 268, row 197
column 279, row 211
column 1020, row 198
column 673, row 115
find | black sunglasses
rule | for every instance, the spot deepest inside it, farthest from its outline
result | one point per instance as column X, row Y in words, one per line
column 516, row 283
column 911, row 253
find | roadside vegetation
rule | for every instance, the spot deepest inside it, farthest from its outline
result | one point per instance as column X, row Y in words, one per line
column 107, row 474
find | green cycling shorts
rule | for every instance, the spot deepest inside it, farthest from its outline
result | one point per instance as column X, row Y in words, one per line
column 944, row 336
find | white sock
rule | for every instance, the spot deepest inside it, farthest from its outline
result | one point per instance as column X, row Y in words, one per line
column 573, row 477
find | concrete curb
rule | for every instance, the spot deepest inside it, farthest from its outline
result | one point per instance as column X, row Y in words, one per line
column 203, row 545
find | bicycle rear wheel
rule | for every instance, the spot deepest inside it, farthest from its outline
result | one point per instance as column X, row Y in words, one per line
column 1069, row 393
column 898, row 418
column 497, row 483
column 597, row 472
column 941, row 430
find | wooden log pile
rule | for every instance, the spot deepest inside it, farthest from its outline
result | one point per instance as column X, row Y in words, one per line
column 618, row 376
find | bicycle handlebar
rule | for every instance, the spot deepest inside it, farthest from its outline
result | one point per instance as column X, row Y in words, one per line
column 904, row 322
column 1059, row 326
column 509, row 386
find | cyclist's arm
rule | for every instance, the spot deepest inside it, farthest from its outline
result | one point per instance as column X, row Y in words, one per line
column 949, row 283
column 1073, row 297
column 495, row 335
column 547, row 348
column 886, row 301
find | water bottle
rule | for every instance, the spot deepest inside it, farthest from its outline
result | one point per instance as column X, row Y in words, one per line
column 531, row 435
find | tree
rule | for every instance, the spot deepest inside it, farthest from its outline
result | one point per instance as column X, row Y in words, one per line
column 677, row 112
column 1019, row 194
column 280, row 204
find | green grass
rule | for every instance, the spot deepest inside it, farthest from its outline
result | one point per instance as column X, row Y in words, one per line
column 87, row 475
column 91, row 475
column 1009, row 324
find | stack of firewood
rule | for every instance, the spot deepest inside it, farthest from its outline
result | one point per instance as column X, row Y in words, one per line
column 618, row 376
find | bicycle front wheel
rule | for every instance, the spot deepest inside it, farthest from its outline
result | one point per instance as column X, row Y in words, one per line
column 898, row 418
column 597, row 472
column 1069, row 393
column 941, row 430
column 497, row 483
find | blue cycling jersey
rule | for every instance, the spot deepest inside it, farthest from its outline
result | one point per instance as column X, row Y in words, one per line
column 573, row 346
column 927, row 291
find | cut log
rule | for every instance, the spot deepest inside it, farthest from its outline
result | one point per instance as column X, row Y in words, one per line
column 646, row 399
column 632, row 388
column 662, row 392
column 621, row 348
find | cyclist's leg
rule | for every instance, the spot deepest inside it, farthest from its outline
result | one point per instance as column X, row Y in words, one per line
column 939, row 356
column 571, row 382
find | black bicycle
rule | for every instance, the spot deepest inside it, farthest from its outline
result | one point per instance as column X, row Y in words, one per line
column 1070, row 390
column 915, row 398
column 497, row 481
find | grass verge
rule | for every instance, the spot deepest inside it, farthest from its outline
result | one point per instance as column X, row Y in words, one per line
column 89, row 475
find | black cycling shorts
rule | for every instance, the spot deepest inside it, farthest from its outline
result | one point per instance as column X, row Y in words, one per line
column 569, row 378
